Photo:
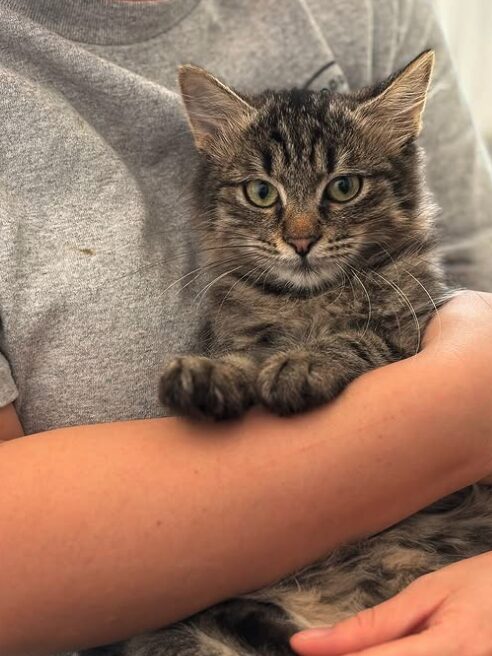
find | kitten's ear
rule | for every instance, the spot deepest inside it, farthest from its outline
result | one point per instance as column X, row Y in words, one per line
column 213, row 109
column 398, row 108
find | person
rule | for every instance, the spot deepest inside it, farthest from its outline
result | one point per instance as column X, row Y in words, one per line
column 115, row 519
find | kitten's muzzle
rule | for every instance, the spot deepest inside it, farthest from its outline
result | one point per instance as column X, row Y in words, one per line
column 303, row 245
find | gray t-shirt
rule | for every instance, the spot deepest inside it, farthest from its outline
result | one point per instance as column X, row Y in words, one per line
column 96, row 161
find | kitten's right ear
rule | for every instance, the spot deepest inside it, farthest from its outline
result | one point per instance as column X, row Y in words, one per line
column 213, row 109
column 396, row 111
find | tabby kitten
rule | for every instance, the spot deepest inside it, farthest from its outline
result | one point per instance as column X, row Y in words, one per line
column 312, row 215
column 318, row 230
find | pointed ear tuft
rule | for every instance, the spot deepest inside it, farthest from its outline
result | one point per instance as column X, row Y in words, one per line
column 212, row 108
column 398, row 108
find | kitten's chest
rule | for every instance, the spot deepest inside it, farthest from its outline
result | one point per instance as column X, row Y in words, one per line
column 249, row 318
column 387, row 302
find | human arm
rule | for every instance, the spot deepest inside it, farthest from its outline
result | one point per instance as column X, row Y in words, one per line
column 109, row 530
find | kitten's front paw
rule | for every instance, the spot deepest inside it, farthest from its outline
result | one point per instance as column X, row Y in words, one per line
column 295, row 381
column 199, row 387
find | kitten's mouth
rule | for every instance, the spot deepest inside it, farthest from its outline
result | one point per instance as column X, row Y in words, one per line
column 303, row 264
column 314, row 264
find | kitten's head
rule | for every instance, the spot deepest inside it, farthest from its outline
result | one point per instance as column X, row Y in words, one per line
column 298, row 186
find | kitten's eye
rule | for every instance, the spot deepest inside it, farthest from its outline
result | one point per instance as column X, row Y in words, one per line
column 344, row 188
column 261, row 193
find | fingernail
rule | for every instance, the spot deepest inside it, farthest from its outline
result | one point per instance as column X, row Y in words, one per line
column 311, row 634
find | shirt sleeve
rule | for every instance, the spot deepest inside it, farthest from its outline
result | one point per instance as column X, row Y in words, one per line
column 457, row 164
column 8, row 389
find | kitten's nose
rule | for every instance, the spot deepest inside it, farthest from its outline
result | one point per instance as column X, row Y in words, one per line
column 302, row 246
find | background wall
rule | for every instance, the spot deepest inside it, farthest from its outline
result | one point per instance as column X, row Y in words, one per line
column 468, row 27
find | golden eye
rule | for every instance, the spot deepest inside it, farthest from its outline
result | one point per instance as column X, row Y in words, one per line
column 344, row 188
column 261, row 193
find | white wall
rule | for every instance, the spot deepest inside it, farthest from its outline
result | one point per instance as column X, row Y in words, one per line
column 468, row 26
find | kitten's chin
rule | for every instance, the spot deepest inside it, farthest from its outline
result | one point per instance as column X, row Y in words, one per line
column 306, row 277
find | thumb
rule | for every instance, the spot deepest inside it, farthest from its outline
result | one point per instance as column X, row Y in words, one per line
column 393, row 619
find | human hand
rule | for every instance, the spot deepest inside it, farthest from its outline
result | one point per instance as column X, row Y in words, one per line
column 465, row 318
column 446, row 613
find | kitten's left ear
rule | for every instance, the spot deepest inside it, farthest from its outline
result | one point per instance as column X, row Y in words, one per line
column 397, row 109
column 214, row 110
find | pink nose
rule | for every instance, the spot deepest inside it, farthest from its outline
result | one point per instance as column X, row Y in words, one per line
column 302, row 246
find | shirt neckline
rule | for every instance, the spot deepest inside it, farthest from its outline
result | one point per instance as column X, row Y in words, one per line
column 105, row 22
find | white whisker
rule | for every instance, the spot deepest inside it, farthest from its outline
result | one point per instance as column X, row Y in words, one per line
column 402, row 294
column 203, row 291
column 366, row 328
column 431, row 300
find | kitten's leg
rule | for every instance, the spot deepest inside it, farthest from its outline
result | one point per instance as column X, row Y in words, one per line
column 296, row 380
column 198, row 387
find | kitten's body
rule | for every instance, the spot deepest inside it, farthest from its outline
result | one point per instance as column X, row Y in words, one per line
column 286, row 328
column 292, row 329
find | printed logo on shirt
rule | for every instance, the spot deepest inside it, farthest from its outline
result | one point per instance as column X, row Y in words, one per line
column 330, row 77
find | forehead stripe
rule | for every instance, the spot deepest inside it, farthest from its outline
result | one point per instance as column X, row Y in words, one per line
column 282, row 142
column 331, row 160
column 266, row 158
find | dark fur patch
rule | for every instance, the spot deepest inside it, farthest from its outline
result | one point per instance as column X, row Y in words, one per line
column 262, row 626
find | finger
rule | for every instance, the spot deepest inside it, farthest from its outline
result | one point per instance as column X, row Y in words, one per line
column 392, row 619
column 426, row 643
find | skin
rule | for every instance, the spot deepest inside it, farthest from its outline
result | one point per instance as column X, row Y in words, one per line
column 10, row 426
column 160, row 516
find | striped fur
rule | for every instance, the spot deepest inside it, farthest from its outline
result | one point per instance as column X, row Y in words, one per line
column 290, row 330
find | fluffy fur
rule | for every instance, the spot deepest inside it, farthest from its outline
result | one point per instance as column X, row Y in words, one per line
column 291, row 329
column 306, row 295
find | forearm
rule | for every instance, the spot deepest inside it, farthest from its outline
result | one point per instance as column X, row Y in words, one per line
column 113, row 529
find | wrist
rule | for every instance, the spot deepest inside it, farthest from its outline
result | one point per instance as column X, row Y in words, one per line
column 461, row 377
